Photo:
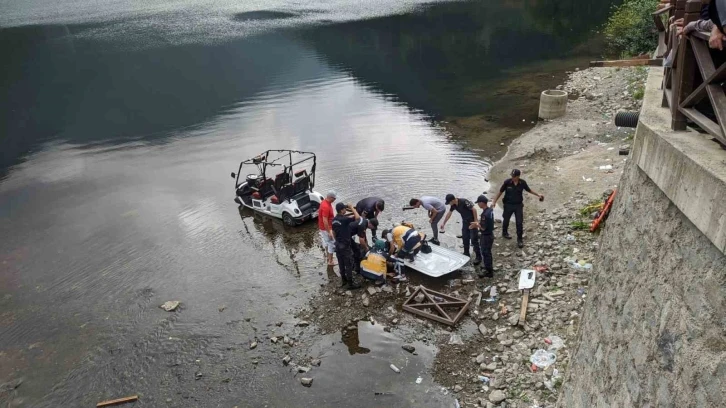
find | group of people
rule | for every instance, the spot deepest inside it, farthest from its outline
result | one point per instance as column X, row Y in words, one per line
column 339, row 226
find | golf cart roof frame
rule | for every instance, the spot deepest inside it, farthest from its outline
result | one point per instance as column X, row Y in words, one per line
column 263, row 161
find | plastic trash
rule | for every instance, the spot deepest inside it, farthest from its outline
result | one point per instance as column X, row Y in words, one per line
column 491, row 300
column 419, row 380
column 456, row 339
column 570, row 237
column 484, row 379
column 580, row 291
column 543, row 358
column 606, row 167
column 456, row 404
column 493, row 291
column 555, row 342
column 394, row 368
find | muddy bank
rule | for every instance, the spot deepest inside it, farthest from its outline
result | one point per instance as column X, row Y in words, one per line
column 485, row 359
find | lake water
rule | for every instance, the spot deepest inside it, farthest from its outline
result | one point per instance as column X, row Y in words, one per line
column 121, row 121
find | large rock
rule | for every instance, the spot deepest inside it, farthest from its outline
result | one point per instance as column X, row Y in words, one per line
column 483, row 329
column 497, row 396
column 307, row 382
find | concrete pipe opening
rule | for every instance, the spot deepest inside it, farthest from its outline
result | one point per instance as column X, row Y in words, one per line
column 552, row 104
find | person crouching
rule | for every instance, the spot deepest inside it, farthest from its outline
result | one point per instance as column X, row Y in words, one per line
column 405, row 241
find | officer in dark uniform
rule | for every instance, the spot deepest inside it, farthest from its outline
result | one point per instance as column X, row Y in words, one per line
column 469, row 223
column 513, row 189
column 486, row 229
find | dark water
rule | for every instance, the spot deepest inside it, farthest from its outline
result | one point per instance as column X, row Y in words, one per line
column 120, row 123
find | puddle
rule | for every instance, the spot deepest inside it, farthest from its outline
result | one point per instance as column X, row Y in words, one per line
column 360, row 356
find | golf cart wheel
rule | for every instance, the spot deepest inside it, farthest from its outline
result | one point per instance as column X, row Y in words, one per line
column 288, row 220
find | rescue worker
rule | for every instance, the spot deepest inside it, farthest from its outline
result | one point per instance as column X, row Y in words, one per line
column 513, row 189
column 436, row 209
column 370, row 208
column 469, row 234
column 343, row 250
column 358, row 228
column 486, row 228
column 404, row 241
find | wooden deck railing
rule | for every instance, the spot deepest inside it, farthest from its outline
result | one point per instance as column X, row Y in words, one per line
column 694, row 75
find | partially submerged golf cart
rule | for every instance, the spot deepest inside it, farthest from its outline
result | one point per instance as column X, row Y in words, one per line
column 288, row 195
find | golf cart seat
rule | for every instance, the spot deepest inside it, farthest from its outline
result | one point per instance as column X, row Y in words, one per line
column 274, row 200
column 302, row 184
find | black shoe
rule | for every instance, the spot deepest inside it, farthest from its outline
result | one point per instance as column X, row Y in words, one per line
column 488, row 274
column 435, row 241
column 353, row 285
column 477, row 261
column 506, row 236
column 343, row 282
column 467, row 254
column 520, row 243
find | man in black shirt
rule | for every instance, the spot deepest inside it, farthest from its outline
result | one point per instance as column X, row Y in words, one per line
column 370, row 208
column 486, row 228
column 469, row 233
column 513, row 189
column 358, row 228
column 343, row 250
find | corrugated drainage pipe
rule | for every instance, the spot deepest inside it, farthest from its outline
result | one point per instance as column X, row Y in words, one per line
column 552, row 104
column 627, row 119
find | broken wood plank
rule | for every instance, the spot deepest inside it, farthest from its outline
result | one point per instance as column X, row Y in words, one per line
column 117, row 401
column 655, row 62
column 523, row 310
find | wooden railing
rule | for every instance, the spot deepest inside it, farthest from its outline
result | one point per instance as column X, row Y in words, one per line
column 693, row 75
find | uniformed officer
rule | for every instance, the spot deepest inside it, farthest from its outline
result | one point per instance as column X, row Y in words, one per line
column 486, row 229
column 469, row 217
column 513, row 189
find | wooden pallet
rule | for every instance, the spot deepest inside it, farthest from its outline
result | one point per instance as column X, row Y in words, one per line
column 429, row 302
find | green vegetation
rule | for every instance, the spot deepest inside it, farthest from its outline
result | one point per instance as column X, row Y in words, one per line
column 580, row 226
column 630, row 30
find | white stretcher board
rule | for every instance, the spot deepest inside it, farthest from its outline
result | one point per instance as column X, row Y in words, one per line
column 439, row 262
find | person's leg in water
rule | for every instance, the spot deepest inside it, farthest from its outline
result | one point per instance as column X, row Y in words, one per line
column 507, row 214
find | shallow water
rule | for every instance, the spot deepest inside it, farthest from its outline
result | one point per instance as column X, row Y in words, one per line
column 122, row 121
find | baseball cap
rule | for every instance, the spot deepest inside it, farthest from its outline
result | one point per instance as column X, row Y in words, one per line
column 340, row 207
column 516, row 173
column 333, row 194
column 482, row 199
column 450, row 198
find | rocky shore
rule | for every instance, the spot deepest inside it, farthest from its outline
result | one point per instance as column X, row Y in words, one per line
column 486, row 360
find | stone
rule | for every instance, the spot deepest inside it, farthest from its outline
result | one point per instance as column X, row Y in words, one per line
column 274, row 339
column 394, row 321
column 286, row 360
column 497, row 396
column 491, row 366
column 387, row 289
column 408, row 348
column 253, row 345
column 458, row 388
column 507, row 342
column 198, row 375
column 316, row 362
column 303, row 369
column 303, row 323
column 366, row 302
column 513, row 320
column 371, row 290
column 170, row 306
column 483, row 329
column 480, row 358
column 306, row 382
column 495, row 316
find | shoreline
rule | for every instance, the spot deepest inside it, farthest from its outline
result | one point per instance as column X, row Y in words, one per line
column 560, row 159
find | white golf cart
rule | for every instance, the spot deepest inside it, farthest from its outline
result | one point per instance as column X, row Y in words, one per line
column 289, row 195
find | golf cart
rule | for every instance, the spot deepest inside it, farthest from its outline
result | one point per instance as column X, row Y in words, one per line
column 289, row 195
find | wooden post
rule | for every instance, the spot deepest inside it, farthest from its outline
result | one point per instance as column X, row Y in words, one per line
column 680, row 10
column 685, row 70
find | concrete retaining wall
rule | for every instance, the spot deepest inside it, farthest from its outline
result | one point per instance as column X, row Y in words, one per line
column 653, row 331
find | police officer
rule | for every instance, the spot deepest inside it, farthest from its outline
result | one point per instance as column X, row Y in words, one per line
column 486, row 229
column 469, row 220
column 513, row 189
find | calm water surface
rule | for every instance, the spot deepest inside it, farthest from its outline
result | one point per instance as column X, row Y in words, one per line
column 120, row 123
